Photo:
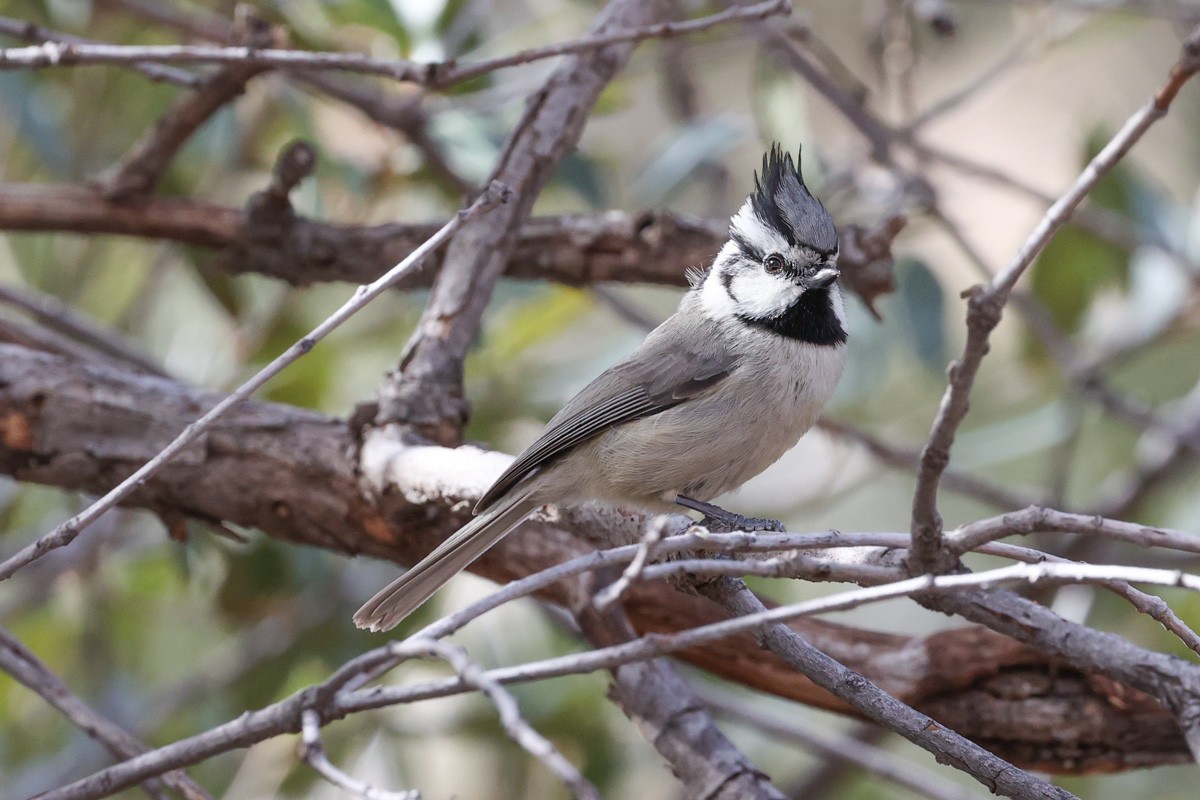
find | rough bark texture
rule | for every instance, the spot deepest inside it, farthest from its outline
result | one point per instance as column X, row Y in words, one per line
column 293, row 474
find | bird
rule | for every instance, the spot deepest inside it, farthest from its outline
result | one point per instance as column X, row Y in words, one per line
column 712, row 397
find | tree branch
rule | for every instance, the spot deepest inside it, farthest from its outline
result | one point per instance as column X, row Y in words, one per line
column 26, row 668
column 290, row 473
column 425, row 392
column 66, row 532
column 434, row 74
column 985, row 306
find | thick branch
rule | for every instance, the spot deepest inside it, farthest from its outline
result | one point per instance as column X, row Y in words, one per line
column 426, row 393
column 289, row 473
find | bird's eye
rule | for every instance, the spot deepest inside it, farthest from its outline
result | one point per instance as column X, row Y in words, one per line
column 774, row 263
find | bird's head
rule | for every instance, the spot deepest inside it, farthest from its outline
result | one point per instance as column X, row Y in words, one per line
column 782, row 245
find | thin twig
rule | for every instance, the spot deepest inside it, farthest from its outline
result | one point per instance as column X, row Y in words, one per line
column 25, row 667
column 518, row 729
column 874, row 760
column 616, row 590
column 1035, row 518
column 434, row 74
column 142, row 168
column 284, row 716
column 985, row 306
column 312, row 752
column 57, row 315
column 65, row 533
column 28, row 31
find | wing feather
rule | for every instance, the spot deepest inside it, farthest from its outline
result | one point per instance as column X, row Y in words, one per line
column 651, row 380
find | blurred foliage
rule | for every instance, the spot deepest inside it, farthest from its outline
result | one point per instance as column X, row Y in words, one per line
column 170, row 638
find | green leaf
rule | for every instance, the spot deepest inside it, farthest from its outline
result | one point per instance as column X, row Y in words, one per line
column 1072, row 269
column 922, row 312
column 1077, row 263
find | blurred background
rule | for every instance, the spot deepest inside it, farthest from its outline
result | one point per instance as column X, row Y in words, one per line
column 1008, row 100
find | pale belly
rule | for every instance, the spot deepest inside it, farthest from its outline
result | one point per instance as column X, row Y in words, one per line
column 714, row 443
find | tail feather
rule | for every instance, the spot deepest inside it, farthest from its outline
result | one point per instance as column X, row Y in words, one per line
column 402, row 596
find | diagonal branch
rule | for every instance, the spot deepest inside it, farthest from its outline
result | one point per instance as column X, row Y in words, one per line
column 425, row 392
column 26, row 668
column 291, row 474
column 65, row 533
column 868, row 699
column 142, row 168
column 986, row 304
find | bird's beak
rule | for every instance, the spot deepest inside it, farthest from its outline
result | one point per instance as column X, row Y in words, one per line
column 823, row 278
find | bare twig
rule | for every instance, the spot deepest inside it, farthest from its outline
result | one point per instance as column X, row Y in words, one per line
column 514, row 724
column 334, row 699
column 614, row 591
column 25, row 667
column 985, row 305
column 667, row 713
column 875, row 760
column 435, row 74
column 65, row 533
column 1035, row 518
column 30, row 32
column 57, row 315
column 867, row 698
column 312, row 752
column 142, row 168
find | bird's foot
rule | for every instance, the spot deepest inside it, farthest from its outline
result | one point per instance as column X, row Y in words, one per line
column 718, row 520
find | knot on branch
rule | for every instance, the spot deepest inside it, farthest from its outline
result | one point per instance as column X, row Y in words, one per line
column 985, row 307
column 269, row 213
column 434, row 410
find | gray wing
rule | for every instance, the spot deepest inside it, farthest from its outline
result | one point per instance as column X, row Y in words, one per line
column 658, row 375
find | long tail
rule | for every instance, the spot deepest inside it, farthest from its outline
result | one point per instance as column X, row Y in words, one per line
column 402, row 596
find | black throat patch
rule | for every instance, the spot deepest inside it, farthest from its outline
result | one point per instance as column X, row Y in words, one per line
column 810, row 319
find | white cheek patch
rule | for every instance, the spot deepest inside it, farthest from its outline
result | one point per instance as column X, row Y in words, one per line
column 715, row 302
column 714, row 298
column 760, row 294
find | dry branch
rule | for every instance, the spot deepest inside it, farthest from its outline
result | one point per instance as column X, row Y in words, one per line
column 25, row 667
column 986, row 304
column 425, row 392
column 66, row 532
column 64, row 52
column 291, row 473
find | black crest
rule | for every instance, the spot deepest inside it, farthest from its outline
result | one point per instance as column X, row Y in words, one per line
column 782, row 201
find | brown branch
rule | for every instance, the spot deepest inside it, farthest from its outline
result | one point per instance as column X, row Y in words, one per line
column 56, row 315
column 869, row 700
column 577, row 250
column 669, row 716
column 985, row 306
column 289, row 473
column 142, row 168
column 425, row 393
column 27, row 669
